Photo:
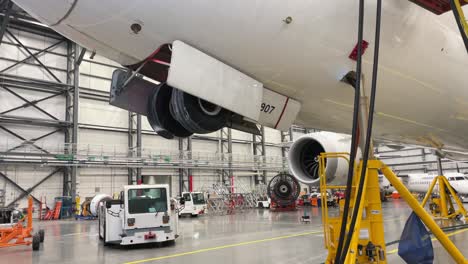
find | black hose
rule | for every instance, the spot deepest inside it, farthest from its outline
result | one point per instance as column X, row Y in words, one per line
column 459, row 23
column 368, row 133
column 355, row 128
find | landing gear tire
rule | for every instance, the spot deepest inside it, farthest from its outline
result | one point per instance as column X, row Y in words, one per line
column 36, row 242
column 197, row 115
column 41, row 235
column 159, row 116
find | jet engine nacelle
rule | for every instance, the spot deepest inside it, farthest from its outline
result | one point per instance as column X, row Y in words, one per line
column 303, row 157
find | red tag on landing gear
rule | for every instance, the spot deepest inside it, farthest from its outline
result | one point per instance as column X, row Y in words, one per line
column 354, row 54
column 150, row 236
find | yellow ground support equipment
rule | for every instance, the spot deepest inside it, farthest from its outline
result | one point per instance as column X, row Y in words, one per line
column 457, row 9
column 368, row 242
column 442, row 206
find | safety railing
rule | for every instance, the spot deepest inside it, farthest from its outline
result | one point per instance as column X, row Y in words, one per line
column 330, row 226
column 120, row 155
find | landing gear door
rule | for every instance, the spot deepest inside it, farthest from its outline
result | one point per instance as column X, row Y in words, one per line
column 203, row 76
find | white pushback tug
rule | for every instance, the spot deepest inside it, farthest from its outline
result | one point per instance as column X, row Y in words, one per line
column 142, row 214
column 194, row 204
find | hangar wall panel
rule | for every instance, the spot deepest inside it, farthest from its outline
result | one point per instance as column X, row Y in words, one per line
column 26, row 177
column 241, row 148
column 203, row 179
column 164, row 176
column 92, row 181
column 159, row 143
column 272, row 135
column 102, row 141
column 101, row 113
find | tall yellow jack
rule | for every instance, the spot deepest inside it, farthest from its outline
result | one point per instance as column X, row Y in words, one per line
column 442, row 207
column 368, row 242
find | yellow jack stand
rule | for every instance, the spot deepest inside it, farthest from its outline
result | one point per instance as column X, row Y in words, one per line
column 368, row 242
column 442, row 207
column 77, row 206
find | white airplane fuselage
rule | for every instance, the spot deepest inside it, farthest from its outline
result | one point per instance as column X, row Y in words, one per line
column 385, row 185
column 421, row 182
column 422, row 97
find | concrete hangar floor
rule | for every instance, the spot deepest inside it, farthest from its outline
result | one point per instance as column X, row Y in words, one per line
column 255, row 236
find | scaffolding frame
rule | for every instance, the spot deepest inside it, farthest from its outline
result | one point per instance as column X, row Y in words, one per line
column 16, row 85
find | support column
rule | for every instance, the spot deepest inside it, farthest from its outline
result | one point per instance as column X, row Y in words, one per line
column 226, row 152
column 189, row 156
column 8, row 5
column 72, row 96
column 134, row 146
column 259, row 152
column 185, row 153
column 423, row 159
column 76, row 99
column 68, row 118
column 181, row 170
column 131, row 171
column 139, row 178
column 285, row 139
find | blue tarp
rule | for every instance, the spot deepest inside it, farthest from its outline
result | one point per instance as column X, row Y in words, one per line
column 415, row 242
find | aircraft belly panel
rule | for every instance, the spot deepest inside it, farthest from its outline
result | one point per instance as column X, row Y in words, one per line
column 421, row 95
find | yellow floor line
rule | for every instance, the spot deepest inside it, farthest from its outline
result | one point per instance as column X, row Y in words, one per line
column 223, row 247
column 434, row 239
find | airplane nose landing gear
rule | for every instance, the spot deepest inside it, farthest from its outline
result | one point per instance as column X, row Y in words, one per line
column 170, row 112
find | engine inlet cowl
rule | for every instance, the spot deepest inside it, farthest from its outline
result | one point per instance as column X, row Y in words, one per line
column 303, row 157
